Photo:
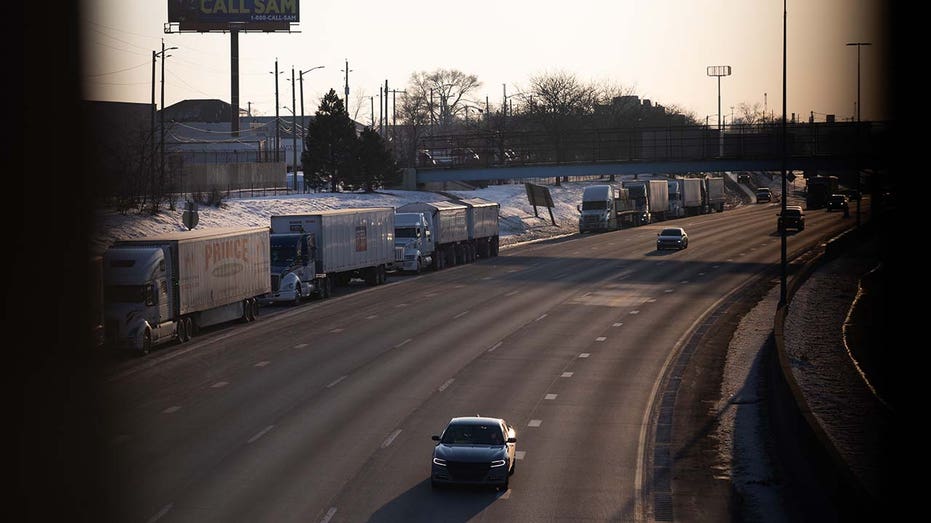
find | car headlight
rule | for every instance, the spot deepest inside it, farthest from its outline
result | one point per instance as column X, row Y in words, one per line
column 495, row 463
column 439, row 461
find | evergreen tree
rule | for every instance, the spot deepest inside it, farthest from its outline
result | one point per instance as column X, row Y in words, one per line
column 330, row 145
column 375, row 166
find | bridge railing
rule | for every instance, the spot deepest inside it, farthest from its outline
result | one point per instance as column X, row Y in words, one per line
column 672, row 143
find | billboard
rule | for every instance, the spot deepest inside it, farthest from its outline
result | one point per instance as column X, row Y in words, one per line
column 223, row 15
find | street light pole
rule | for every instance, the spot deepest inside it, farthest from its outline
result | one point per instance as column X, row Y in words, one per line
column 784, row 268
column 719, row 71
column 859, row 45
column 162, row 119
column 293, row 130
column 303, row 122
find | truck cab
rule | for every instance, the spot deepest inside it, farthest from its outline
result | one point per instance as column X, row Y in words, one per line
column 596, row 212
column 412, row 232
column 293, row 267
column 137, row 296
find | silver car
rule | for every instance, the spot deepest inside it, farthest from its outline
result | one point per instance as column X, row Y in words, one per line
column 474, row 450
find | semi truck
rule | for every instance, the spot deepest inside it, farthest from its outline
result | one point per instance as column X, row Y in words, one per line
column 691, row 196
column 312, row 253
column 818, row 190
column 414, row 235
column 638, row 200
column 449, row 225
column 166, row 287
column 676, row 207
column 714, row 193
column 658, row 193
column 482, row 226
column 606, row 208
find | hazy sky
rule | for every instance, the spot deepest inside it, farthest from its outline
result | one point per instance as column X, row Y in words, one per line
column 658, row 48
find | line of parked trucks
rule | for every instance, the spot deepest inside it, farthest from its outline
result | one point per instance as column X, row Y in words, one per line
column 640, row 202
column 166, row 287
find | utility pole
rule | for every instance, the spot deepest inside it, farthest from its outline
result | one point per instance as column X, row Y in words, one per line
column 347, row 70
column 372, row 98
column 394, row 112
column 277, row 122
column 152, row 120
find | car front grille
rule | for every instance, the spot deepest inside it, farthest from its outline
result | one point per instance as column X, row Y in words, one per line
column 459, row 471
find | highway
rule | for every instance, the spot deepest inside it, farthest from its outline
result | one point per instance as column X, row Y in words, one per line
column 324, row 412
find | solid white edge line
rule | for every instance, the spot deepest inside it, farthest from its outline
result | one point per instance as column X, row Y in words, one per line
column 264, row 431
column 641, row 444
column 161, row 513
column 329, row 515
column 390, row 439
column 336, row 381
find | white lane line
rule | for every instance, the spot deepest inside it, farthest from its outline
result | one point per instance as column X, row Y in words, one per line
column 329, row 515
column 171, row 410
column 487, row 278
column 683, row 282
column 390, row 439
column 506, row 495
column 550, row 397
column 566, row 375
column 336, row 381
column 618, row 324
column 458, row 286
column 161, row 513
column 336, row 330
column 701, row 274
column 495, row 346
column 429, row 295
column 635, row 311
column 514, row 270
column 446, row 385
column 586, row 295
column 512, row 293
column 651, row 300
column 601, row 338
column 461, row 314
column 400, row 305
column 403, row 343
column 535, row 423
column 300, row 345
column 371, row 316
column 541, row 317
column 667, row 291
column 219, row 384
column 263, row 432
column 715, row 266
column 519, row 455
column 584, row 355
column 261, row 364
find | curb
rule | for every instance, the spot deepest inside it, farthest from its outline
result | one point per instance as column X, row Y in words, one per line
column 833, row 248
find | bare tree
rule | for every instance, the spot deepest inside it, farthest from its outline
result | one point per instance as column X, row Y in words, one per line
column 443, row 93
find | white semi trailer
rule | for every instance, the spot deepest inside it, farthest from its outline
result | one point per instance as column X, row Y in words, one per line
column 165, row 287
column 311, row 253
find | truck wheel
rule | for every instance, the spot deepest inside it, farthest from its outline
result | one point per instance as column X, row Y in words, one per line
column 382, row 275
column 419, row 266
column 183, row 335
column 297, row 295
column 251, row 307
column 189, row 325
column 146, row 343
column 327, row 287
column 255, row 309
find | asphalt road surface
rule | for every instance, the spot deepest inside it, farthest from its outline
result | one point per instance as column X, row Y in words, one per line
column 324, row 412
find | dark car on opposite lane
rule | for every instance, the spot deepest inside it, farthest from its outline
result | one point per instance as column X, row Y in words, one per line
column 474, row 450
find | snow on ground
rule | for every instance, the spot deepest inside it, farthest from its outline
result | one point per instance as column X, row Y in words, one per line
column 517, row 221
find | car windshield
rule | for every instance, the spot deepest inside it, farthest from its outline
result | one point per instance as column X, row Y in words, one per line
column 671, row 232
column 462, row 434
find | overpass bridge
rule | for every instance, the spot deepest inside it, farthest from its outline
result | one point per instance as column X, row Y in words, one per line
column 494, row 155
